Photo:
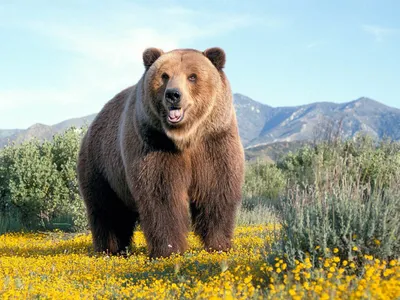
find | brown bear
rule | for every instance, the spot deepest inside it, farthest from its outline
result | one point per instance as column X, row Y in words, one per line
column 163, row 152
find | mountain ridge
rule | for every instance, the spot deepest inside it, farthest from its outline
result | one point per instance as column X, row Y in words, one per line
column 294, row 123
column 261, row 124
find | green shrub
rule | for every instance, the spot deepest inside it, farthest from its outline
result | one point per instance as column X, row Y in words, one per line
column 264, row 182
column 368, row 161
column 38, row 182
column 10, row 222
column 350, row 201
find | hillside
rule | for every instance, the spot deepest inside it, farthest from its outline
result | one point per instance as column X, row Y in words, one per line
column 41, row 131
column 272, row 152
column 260, row 124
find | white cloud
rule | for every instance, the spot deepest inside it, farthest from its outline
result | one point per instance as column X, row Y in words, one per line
column 379, row 32
column 108, row 57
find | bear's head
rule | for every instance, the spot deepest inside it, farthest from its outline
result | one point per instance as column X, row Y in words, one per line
column 182, row 88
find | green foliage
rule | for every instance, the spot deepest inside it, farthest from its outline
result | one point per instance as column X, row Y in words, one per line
column 366, row 160
column 342, row 196
column 38, row 182
column 257, row 214
column 299, row 166
column 264, row 182
column 10, row 222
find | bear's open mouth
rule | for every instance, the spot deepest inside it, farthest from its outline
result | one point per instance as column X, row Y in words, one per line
column 175, row 114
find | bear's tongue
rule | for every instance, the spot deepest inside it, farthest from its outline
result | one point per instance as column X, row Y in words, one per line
column 175, row 114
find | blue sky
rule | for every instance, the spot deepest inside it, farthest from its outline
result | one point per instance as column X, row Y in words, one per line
column 65, row 59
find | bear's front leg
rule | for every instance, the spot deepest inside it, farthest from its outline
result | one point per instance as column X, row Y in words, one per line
column 214, row 219
column 162, row 200
column 216, row 192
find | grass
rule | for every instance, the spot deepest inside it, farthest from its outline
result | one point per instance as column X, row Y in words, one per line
column 259, row 214
column 57, row 265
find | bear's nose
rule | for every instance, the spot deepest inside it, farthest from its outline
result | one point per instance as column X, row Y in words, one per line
column 173, row 96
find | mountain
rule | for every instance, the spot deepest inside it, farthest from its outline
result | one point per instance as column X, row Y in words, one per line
column 4, row 133
column 251, row 116
column 41, row 131
column 265, row 125
column 260, row 124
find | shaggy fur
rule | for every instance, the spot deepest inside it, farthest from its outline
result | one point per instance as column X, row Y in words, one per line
column 135, row 166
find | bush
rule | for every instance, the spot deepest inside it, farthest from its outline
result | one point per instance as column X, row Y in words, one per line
column 264, row 183
column 38, row 182
column 349, row 200
column 368, row 161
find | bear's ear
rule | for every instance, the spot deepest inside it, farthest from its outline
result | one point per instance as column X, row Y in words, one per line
column 150, row 55
column 216, row 56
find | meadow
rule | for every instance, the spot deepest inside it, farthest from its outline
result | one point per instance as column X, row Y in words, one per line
column 61, row 266
column 321, row 223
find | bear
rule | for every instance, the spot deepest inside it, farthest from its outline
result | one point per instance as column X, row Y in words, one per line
column 165, row 153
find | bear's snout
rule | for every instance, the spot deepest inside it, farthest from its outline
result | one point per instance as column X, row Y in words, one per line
column 173, row 96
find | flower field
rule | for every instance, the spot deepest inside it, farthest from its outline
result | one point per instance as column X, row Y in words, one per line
column 62, row 266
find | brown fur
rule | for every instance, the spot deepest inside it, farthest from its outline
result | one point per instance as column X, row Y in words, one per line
column 136, row 167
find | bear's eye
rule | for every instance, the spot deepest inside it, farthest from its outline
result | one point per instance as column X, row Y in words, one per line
column 192, row 77
column 164, row 76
